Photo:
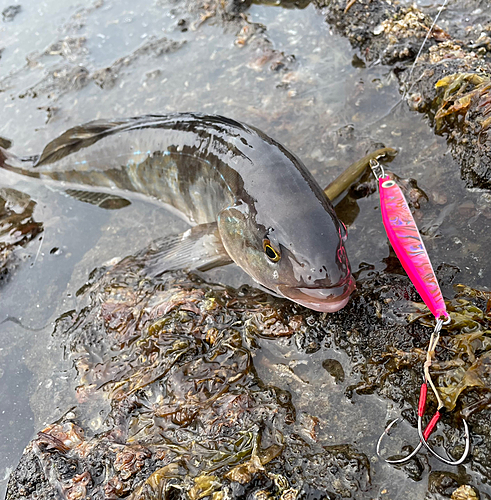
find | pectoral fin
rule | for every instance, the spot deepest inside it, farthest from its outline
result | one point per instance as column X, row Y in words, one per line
column 199, row 248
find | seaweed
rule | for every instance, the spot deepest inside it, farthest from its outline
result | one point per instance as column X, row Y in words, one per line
column 189, row 416
column 17, row 228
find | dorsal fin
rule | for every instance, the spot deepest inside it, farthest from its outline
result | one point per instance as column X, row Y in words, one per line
column 83, row 136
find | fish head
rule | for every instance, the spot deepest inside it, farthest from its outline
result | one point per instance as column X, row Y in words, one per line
column 299, row 255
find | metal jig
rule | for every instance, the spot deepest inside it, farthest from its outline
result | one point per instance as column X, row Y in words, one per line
column 404, row 237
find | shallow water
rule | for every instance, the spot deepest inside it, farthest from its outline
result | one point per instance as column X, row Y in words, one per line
column 320, row 103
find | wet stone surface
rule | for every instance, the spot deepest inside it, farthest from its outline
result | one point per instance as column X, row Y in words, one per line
column 449, row 81
column 189, row 415
column 9, row 13
column 175, row 359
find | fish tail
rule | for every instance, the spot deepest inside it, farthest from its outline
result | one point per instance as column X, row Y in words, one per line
column 22, row 166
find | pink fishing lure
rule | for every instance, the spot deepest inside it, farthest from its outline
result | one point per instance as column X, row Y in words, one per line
column 408, row 245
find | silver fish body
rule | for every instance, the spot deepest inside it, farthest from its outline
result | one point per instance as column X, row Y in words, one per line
column 251, row 200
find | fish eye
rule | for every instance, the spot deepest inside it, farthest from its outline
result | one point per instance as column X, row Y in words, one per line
column 273, row 255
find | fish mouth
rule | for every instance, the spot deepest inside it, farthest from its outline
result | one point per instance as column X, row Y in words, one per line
column 321, row 299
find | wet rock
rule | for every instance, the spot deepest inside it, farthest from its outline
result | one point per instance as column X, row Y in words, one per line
column 63, row 79
column 30, row 480
column 78, row 20
column 449, row 485
column 335, row 369
column 480, row 420
column 381, row 30
column 448, row 81
column 4, row 142
column 70, row 76
column 187, row 409
column 69, row 48
column 107, row 77
column 337, row 470
column 231, row 14
column 174, row 358
column 463, row 104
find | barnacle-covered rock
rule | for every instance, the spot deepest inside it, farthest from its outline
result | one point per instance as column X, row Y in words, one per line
column 447, row 78
column 463, row 110
column 382, row 30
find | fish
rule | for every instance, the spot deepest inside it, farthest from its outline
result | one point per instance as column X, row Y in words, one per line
column 247, row 198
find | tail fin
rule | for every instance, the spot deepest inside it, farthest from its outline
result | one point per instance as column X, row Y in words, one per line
column 9, row 161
